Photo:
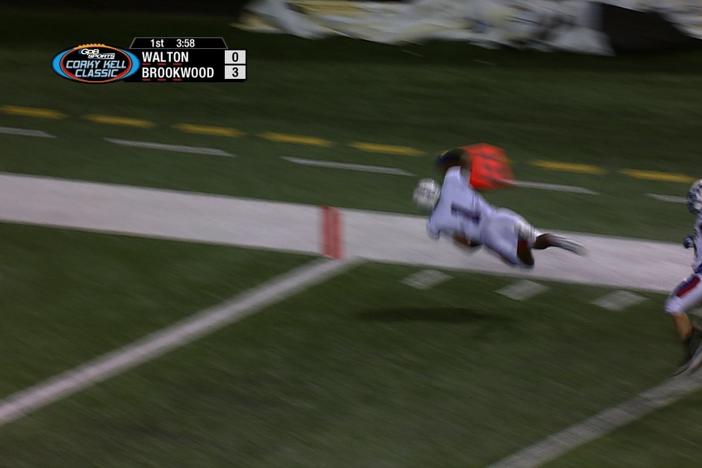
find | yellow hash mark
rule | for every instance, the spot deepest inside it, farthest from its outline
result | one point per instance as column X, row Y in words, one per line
column 32, row 112
column 208, row 130
column 568, row 167
column 386, row 149
column 658, row 176
column 297, row 139
column 115, row 120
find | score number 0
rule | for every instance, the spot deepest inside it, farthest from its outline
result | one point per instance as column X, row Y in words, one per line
column 235, row 64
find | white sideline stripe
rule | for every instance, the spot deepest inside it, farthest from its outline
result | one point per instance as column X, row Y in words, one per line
column 348, row 166
column 165, row 147
column 162, row 341
column 603, row 423
column 426, row 279
column 554, row 187
column 619, row 300
column 613, row 262
column 522, row 290
column 25, row 132
column 667, row 198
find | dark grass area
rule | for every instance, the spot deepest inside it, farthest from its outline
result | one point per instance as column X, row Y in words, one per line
column 364, row 371
column 68, row 296
column 667, row 437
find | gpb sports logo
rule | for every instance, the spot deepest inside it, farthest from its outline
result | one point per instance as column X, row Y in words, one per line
column 95, row 63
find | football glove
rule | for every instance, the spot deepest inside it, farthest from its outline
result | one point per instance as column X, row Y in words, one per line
column 689, row 242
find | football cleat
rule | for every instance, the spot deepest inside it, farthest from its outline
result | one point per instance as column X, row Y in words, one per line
column 696, row 360
column 693, row 353
column 564, row 243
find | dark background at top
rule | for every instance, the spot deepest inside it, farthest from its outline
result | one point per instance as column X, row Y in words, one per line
column 225, row 7
column 228, row 7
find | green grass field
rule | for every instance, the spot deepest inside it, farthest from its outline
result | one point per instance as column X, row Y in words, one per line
column 669, row 437
column 361, row 370
column 70, row 296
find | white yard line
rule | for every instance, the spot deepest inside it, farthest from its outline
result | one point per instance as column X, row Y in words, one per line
column 522, row 290
column 560, row 443
column 167, row 339
column 166, row 147
column 425, row 279
column 348, row 166
column 384, row 237
column 619, row 300
column 667, row 198
column 553, row 187
column 25, row 132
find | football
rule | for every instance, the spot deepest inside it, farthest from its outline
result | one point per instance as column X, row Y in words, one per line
column 426, row 194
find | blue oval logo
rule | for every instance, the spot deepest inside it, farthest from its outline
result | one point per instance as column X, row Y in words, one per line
column 95, row 63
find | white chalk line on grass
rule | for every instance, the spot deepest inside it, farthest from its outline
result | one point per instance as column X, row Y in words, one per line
column 25, row 132
column 166, row 147
column 402, row 172
column 553, row 187
column 425, row 279
column 667, row 198
column 618, row 300
column 348, row 166
column 560, row 443
column 167, row 339
column 522, row 290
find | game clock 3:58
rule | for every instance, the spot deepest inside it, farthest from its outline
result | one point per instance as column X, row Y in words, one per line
column 185, row 43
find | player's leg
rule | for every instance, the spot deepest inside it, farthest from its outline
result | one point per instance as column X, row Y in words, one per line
column 530, row 238
column 544, row 241
column 508, row 235
column 684, row 298
column 513, row 238
column 526, row 237
column 524, row 252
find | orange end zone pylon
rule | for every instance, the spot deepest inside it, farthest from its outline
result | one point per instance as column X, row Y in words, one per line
column 489, row 167
column 332, row 242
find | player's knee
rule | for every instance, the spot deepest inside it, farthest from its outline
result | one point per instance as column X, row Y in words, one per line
column 674, row 306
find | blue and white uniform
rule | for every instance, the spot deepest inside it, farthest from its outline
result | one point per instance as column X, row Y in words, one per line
column 697, row 239
column 688, row 294
column 462, row 211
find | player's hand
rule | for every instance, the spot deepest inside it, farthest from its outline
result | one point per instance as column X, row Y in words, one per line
column 689, row 242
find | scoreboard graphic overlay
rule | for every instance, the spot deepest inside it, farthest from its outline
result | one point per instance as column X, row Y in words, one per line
column 187, row 59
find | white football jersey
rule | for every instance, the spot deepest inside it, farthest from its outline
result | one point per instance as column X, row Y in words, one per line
column 697, row 236
column 460, row 209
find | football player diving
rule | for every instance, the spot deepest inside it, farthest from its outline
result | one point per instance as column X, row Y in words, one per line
column 460, row 213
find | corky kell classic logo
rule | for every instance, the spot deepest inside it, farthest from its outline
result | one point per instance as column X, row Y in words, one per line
column 95, row 63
